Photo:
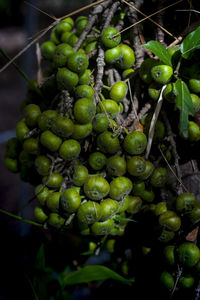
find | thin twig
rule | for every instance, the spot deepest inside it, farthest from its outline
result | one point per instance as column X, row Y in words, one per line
column 20, row 218
column 153, row 122
column 39, row 69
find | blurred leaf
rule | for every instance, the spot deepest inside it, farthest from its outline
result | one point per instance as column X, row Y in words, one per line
column 160, row 51
column 91, row 273
column 123, row 219
column 4, row 4
column 40, row 259
column 190, row 43
column 184, row 103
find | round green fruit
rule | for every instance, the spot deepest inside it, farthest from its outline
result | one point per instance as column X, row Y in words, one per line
column 84, row 91
column 149, row 167
column 187, row 281
column 195, row 102
column 50, row 141
column 40, row 215
column 108, row 106
column 84, row 78
column 127, row 57
column 97, row 160
column 70, row 149
column 78, row 62
column 43, row 165
column 70, row 200
column 54, row 181
column 55, row 220
column 11, row 164
column 42, row 193
column 167, row 280
column 118, row 91
column 31, row 145
column 102, row 228
column 61, row 55
column 185, row 202
column 147, row 195
column 80, row 175
column 169, row 254
column 47, row 50
column 158, row 177
column 84, row 110
column 107, row 142
column 22, row 130
column 194, row 85
column 108, row 207
column 66, row 79
column 162, row 73
column 46, row 119
column 135, row 143
column 31, row 113
column 170, row 93
column 81, row 131
column 188, row 254
column 170, row 220
column 110, row 37
column 89, row 212
column 120, row 187
column 193, row 132
column 145, row 69
column 136, row 166
column 116, row 166
column 96, row 188
column 113, row 55
column 63, row 127
column 134, row 204
column 53, row 201
column 100, row 122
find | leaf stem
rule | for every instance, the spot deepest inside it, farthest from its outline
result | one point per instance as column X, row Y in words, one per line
column 20, row 218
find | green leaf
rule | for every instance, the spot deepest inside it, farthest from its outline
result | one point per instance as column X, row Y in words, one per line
column 91, row 273
column 159, row 50
column 40, row 259
column 184, row 103
column 123, row 219
column 190, row 43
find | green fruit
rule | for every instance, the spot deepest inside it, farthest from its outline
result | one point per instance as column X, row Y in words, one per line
column 73, row 39
column 138, row 188
column 46, row 119
column 193, row 132
column 91, row 47
column 147, row 195
column 170, row 220
column 80, row 175
column 61, row 54
column 97, row 160
column 47, row 50
column 194, row 214
column 53, row 201
column 194, row 85
column 118, row 91
column 54, row 37
column 108, row 106
column 40, row 215
column 161, row 208
column 84, row 91
column 65, row 36
column 127, row 57
column 110, row 37
column 50, row 141
column 81, row 131
column 167, row 280
column 170, row 93
column 145, row 69
column 195, row 102
column 169, row 254
column 188, row 254
column 158, row 177
column 78, row 62
column 128, row 73
column 154, row 90
column 166, row 236
column 84, row 78
column 12, row 147
column 80, row 25
column 107, row 142
column 136, row 166
column 162, row 73
column 113, row 55
column 70, row 149
column 26, row 159
column 11, row 164
column 135, row 143
column 96, row 188
column 70, row 200
column 54, row 181
column 89, row 212
column 55, row 220
column 122, row 207
column 148, row 170
column 100, row 122
column 102, row 228
column 187, row 281
column 84, row 110
column 66, row 79
column 63, row 127
column 42, row 193
column 108, row 208
column 43, row 165
column 69, row 20
column 31, row 113
column 63, row 26
column 21, row 130
column 185, row 202
column 31, row 145
column 110, row 245
column 134, row 204
column 116, row 166
column 120, row 187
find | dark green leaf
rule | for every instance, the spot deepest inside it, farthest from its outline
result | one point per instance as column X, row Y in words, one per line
column 160, row 51
column 190, row 43
column 40, row 259
column 91, row 273
column 184, row 103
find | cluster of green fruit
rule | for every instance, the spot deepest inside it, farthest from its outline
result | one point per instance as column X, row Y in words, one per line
column 156, row 74
column 48, row 150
